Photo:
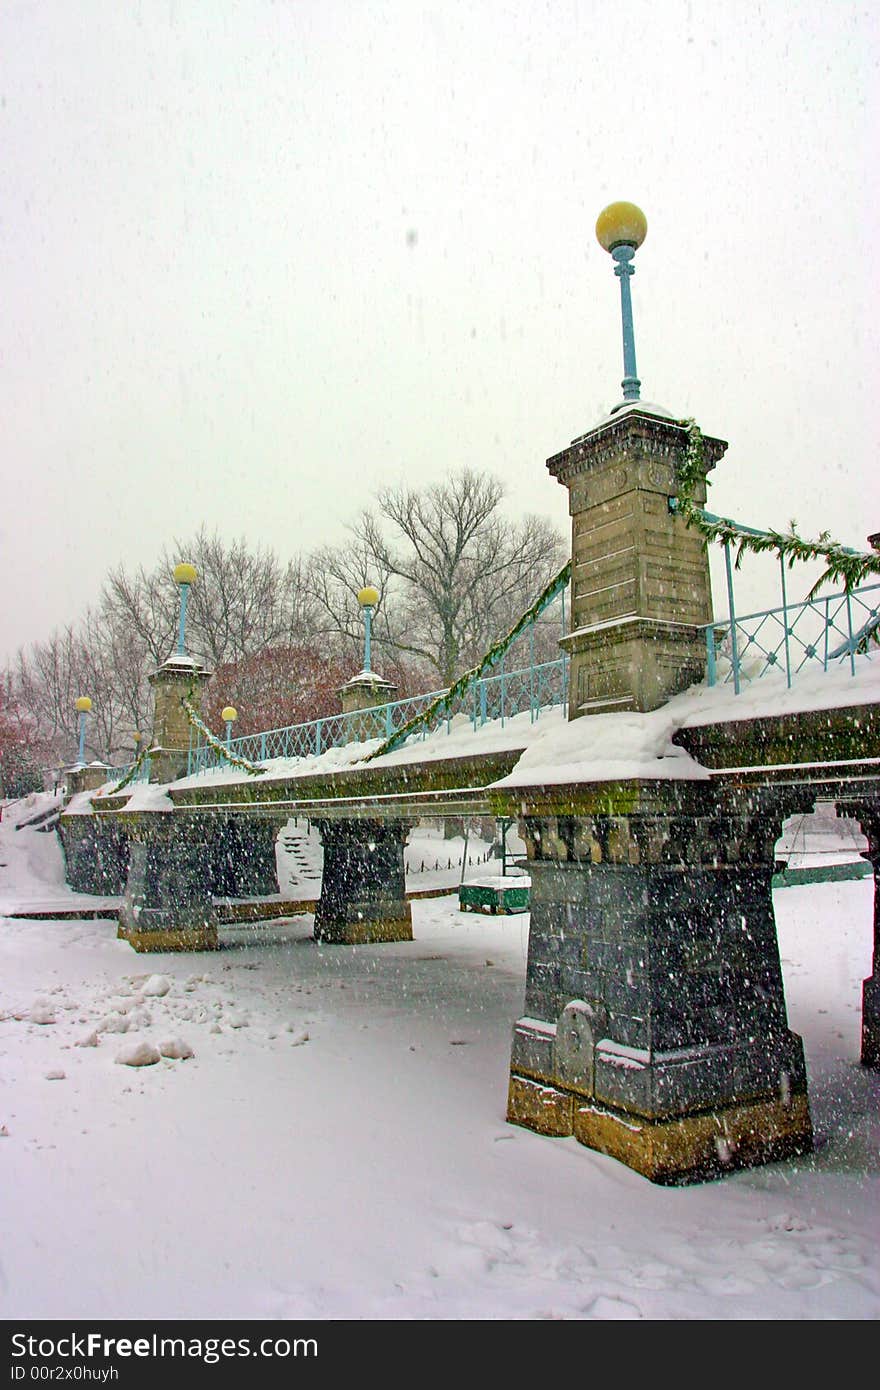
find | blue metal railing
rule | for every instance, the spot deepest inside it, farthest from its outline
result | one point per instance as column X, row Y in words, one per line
column 824, row 632
column 116, row 774
column 477, row 695
column 533, row 688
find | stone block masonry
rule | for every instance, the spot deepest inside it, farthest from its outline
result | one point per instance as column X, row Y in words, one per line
column 654, row 1024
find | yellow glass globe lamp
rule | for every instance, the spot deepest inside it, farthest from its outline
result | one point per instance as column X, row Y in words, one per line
column 621, row 224
column 83, row 704
column 185, row 573
column 229, row 714
column 368, row 597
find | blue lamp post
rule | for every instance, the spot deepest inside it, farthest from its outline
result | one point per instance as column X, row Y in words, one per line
column 368, row 597
column 83, row 705
column 229, row 715
column 184, row 576
column 620, row 229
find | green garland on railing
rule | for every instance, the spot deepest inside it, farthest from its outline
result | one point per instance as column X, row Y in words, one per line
column 842, row 564
column 217, row 744
column 443, row 704
column 136, row 766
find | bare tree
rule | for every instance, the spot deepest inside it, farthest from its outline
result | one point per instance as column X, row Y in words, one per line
column 453, row 571
column 243, row 601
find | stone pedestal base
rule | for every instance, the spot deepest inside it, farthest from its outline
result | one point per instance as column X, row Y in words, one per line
column 689, row 1149
column 633, row 663
column 86, row 777
column 363, row 889
column 198, row 939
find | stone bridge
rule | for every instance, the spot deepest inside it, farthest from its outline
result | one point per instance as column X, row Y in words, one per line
column 654, row 1025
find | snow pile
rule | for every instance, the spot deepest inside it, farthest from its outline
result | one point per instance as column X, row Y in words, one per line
column 138, row 1054
column 606, row 747
column 614, row 747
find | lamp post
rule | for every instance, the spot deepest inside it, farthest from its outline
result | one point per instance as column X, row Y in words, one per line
column 367, row 597
column 83, row 705
column 229, row 714
column 184, row 576
column 620, row 229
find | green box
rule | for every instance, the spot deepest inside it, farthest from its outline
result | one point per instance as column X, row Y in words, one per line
column 494, row 895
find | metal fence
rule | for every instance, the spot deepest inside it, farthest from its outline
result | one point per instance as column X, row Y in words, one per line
column 826, row 632
column 531, row 689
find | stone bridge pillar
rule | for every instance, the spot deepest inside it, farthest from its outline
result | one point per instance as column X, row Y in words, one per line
column 640, row 578
column 242, row 856
column 177, row 678
column 363, row 888
column 359, row 696
column 867, row 813
column 655, row 1026
column 95, row 853
column 168, row 903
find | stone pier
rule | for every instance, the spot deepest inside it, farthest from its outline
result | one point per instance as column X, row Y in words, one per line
column 95, row 854
column 655, row 1026
column 363, row 888
column 168, row 904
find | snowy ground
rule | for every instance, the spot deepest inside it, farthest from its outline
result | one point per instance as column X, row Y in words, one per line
column 337, row 1145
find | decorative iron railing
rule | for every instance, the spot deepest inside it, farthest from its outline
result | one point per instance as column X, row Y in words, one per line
column 477, row 694
column 116, row 774
column 818, row 633
column 532, row 689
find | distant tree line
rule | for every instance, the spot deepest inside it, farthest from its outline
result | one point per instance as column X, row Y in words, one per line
column 452, row 570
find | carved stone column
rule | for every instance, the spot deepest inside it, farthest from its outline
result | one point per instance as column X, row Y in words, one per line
column 175, row 679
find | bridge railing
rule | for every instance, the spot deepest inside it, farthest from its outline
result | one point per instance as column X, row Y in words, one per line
column 477, row 694
column 819, row 633
column 116, row 774
column 315, row 736
column 532, row 689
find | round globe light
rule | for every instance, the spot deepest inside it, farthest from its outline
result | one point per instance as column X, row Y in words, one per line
column 185, row 573
column 368, row 597
column 621, row 224
column 228, row 714
column 83, row 704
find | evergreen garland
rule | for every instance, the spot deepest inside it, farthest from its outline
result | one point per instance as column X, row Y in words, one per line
column 217, row 744
column 442, row 706
column 851, row 567
column 146, row 752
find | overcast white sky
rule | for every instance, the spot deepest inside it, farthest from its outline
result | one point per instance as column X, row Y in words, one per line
column 260, row 257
